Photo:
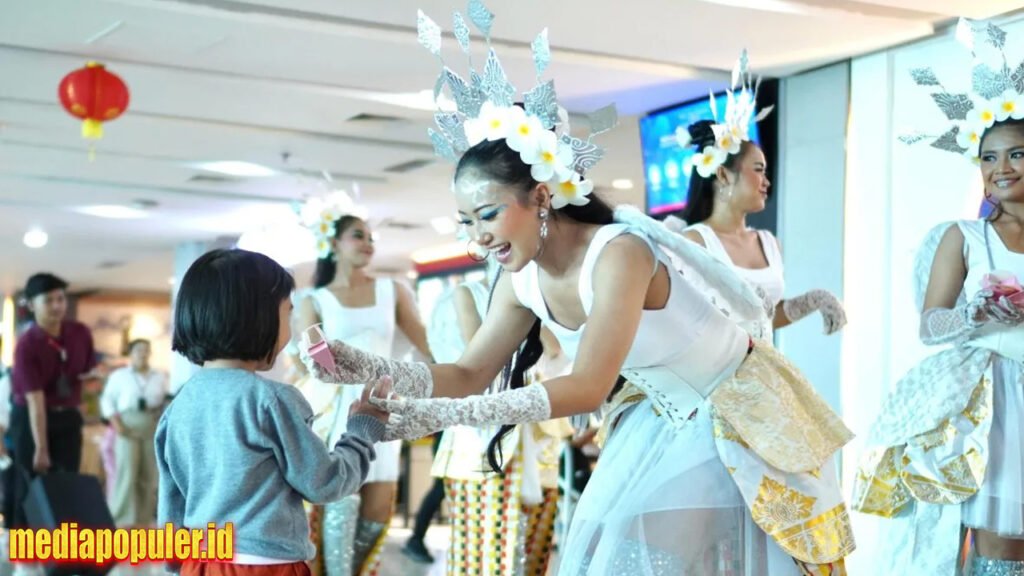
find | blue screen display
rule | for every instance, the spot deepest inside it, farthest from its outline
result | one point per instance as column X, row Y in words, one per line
column 665, row 162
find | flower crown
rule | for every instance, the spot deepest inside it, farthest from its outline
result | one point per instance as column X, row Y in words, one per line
column 486, row 110
column 997, row 92
column 734, row 127
column 321, row 213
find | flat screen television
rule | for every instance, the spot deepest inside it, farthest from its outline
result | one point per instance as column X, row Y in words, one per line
column 665, row 162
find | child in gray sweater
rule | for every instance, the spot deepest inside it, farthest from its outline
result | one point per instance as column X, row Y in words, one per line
column 236, row 447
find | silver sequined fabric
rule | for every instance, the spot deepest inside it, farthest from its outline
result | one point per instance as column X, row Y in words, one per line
column 982, row 566
column 338, row 547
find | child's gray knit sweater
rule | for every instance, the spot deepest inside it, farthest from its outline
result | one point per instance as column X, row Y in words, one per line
column 235, row 447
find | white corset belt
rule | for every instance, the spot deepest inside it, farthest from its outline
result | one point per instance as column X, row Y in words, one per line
column 1007, row 342
column 680, row 386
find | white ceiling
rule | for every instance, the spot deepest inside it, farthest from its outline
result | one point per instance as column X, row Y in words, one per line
column 254, row 80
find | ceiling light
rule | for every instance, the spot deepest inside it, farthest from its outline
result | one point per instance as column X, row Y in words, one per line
column 622, row 184
column 781, row 6
column 443, row 225
column 235, row 168
column 112, row 211
column 171, row 280
column 35, row 238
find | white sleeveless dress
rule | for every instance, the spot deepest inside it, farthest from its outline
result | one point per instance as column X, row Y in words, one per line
column 998, row 505
column 769, row 281
column 662, row 501
column 368, row 328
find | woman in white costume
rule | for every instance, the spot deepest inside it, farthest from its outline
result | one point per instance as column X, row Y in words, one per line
column 719, row 461
column 947, row 452
column 720, row 197
column 364, row 312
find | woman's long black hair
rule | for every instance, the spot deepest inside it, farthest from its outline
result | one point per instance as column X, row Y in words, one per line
column 495, row 161
column 700, row 196
column 326, row 268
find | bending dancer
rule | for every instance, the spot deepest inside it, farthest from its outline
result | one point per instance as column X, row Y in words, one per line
column 946, row 451
column 364, row 312
column 721, row 196
column 720, row 461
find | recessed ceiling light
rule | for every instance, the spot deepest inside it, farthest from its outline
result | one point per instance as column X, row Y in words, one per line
column 112, row 211
column 171, row 280
column 236, row 168
column 622, row 184
column 35, row 238
column 443, row 225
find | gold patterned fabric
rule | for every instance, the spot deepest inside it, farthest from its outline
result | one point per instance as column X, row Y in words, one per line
column 784, row 421
column 945, row 465
column 803, row 512
column 776, row 411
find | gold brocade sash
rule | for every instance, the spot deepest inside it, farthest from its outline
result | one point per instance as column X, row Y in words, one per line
column 776, row 411
column 782, row 420
column 945, row 465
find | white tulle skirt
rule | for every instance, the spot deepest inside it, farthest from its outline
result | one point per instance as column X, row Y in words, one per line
column 386, row 464
column 999, row 504
column 662, row 503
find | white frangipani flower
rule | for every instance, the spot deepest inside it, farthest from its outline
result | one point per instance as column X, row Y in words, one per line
column 550, row 157
column 707, row 161
column 1010, row 106
column 573, row 190
column 523, row 131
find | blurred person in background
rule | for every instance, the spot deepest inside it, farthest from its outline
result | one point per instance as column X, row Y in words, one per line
column 131, row 402
column 365, row 312
column 51, row 359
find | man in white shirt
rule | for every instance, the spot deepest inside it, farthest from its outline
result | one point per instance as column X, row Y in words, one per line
column 131, row 401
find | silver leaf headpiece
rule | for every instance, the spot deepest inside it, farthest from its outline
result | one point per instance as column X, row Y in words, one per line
column 997, row 92
column 486, row 109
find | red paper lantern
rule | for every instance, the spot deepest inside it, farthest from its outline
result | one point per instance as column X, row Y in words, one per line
column 94, row 95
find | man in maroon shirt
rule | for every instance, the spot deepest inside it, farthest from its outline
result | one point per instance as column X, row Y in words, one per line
column 50, row 359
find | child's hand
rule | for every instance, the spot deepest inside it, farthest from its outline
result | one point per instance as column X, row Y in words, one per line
column 382, row 389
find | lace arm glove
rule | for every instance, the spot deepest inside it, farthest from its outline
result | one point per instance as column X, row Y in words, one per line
column 823, row 301
column 944, row 325
column 420, row 417
column 353, row 366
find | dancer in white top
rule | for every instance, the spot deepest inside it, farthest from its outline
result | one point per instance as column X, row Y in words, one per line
column 719, row 459
column 947, row 453
column 364, row 312
column 719, row 200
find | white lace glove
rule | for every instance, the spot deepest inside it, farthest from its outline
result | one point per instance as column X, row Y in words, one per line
column 943, row 325
column 823, row 301
column 420, row 417
column 353, row 366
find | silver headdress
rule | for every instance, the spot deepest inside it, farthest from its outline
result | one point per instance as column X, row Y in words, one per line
column 486, row 110
column 997, row 92
column 732, row 128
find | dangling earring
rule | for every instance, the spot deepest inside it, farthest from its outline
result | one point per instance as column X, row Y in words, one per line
column 474, row 255
column 543, row 215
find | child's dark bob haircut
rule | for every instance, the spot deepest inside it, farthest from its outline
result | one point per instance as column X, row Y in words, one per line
column 228, row 307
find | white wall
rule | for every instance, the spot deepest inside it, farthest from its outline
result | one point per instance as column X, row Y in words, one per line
column 812, row 131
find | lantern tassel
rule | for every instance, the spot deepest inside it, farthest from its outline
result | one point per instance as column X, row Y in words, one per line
column 92, row 129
